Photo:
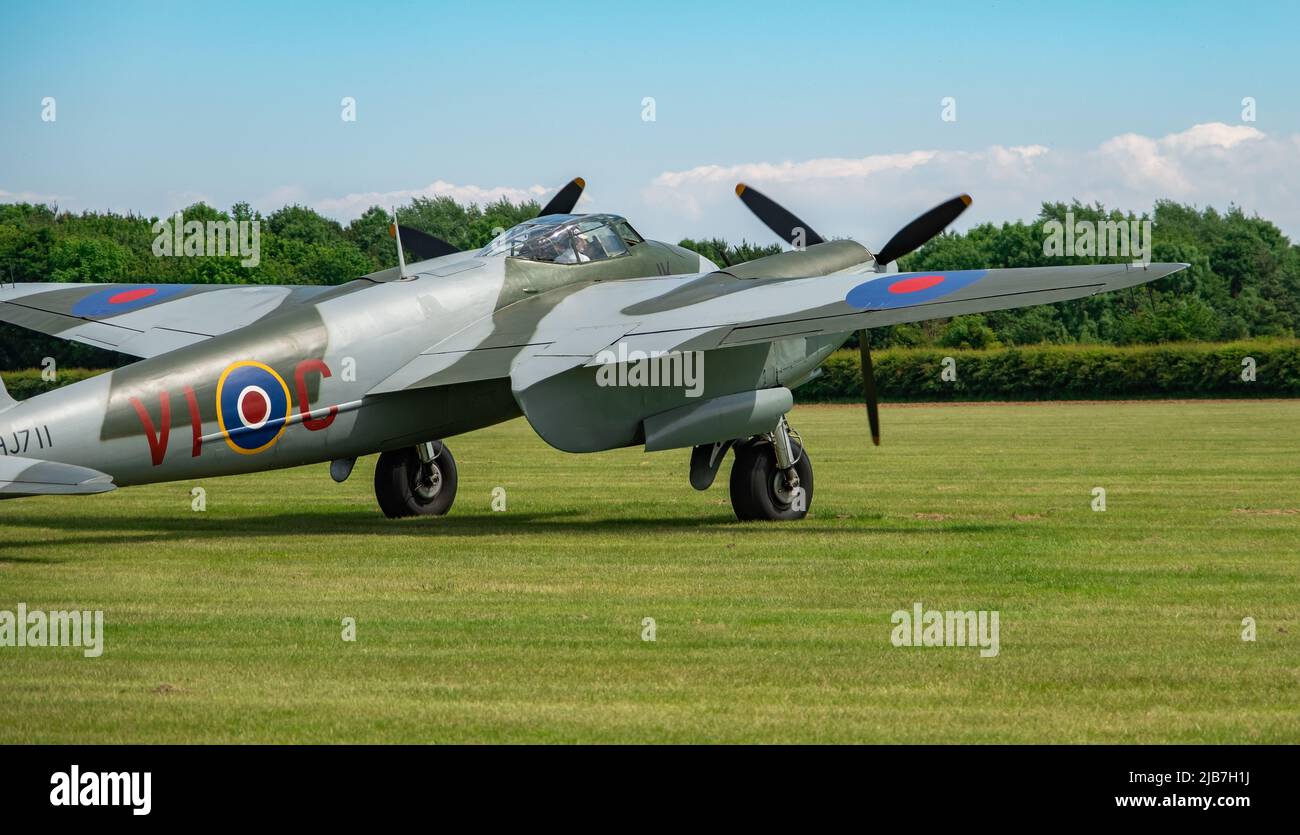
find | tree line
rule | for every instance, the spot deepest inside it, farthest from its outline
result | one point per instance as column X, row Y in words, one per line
column 1244, row 281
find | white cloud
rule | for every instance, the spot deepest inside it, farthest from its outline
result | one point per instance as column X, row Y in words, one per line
column 1211, row 135
column 871, row 197
column 1172, row 163
column 785, row 172
column 353, row 205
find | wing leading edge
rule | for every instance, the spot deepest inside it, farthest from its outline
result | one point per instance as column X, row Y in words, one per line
column 144, row 320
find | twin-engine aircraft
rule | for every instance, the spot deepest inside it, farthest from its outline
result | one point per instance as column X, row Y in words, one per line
column 574, row 321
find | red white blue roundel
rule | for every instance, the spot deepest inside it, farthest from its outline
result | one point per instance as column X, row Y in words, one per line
column 907, row 289
column 253, row 406
column 123, row 298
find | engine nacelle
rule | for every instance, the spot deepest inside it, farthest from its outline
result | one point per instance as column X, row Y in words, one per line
column 718, row 419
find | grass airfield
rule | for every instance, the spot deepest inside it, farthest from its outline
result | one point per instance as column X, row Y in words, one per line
column 526, row 625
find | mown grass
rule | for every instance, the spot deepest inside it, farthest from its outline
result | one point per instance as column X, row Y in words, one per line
column 526, row 625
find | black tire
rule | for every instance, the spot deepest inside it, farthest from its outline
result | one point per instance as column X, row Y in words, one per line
column 756, row 492
column 406, row 486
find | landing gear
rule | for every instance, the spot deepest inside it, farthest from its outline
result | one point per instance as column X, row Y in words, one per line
column 416, row 482
column 772, row 477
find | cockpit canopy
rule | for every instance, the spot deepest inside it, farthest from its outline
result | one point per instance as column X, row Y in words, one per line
column 566, row 239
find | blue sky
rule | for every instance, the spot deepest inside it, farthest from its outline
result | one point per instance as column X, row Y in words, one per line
column 159, row 104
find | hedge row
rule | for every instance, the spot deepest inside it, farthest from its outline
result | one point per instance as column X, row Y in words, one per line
column 25, row 384
column 1050, row 372
column 1053, row 372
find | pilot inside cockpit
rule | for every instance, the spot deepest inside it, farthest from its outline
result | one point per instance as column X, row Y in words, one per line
column 579, row 252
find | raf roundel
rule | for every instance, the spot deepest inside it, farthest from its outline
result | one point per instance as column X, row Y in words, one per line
column 910, row 289
column 119, row 298
column 253, row 406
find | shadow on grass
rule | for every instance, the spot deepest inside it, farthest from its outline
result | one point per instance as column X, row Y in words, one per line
column 25, row 559
column 117, row 529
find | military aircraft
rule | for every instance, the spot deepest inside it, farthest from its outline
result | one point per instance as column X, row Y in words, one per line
column 235, row 379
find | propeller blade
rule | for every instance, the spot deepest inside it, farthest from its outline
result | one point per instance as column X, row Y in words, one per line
column 914, row 235
column 565, row 199
column 422, row 244
column 777, row 218
column 869, row 388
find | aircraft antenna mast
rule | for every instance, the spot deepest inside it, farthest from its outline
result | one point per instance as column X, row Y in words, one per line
column 401, row 256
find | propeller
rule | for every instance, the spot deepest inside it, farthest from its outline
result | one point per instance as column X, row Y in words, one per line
column 777, row 217
column 915, row 234
column 908, row 239
column 565, row 199
column 423, row 244
column 869, row 388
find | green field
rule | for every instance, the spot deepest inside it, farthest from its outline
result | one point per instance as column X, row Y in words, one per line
column 1116, row 626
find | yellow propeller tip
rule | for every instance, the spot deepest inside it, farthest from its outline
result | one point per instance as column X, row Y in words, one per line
column 965, row 199
column 740, row 189
column 583, row 184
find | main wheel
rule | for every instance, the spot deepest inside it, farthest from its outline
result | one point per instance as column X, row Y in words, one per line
column 759, row 490
column 407, row 486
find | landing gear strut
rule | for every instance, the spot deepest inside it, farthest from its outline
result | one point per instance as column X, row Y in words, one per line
column 772, row 477
column 416, row 482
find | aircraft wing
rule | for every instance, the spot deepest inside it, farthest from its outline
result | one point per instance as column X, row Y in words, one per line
column 539, row 337
column 144, row 320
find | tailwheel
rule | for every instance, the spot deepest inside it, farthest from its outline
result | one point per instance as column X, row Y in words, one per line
column 761, row 488
column 416, row 482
